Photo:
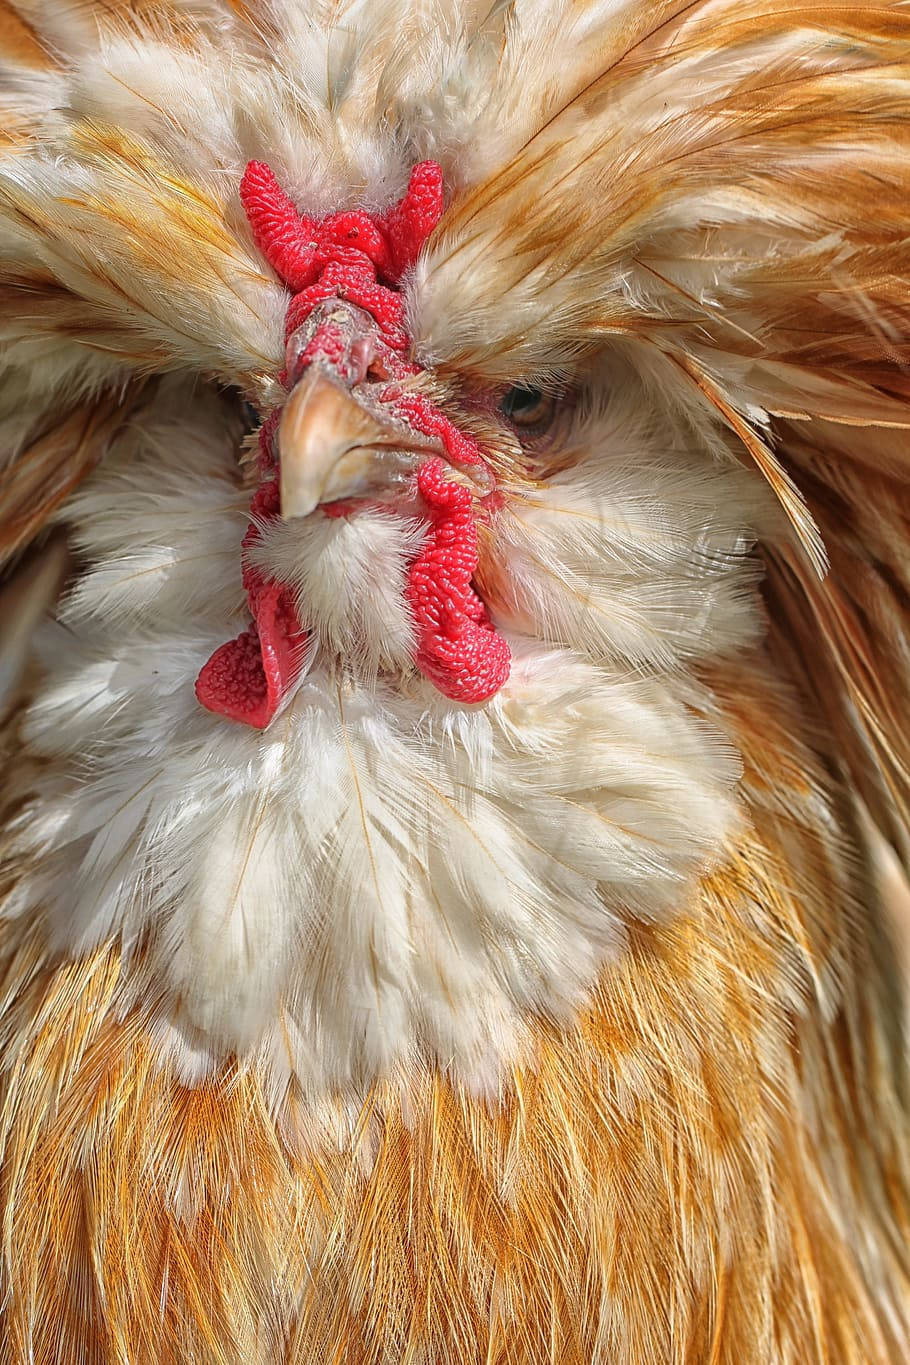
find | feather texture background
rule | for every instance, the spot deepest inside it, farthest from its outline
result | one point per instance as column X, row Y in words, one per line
column 560, row 1029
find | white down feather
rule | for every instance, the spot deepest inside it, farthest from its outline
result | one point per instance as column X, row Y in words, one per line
column 382, row 874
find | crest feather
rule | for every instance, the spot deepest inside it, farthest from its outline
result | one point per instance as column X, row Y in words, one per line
column 706, row 197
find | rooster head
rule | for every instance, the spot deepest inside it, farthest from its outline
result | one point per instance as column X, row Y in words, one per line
column 411, row 402
column 358, row 425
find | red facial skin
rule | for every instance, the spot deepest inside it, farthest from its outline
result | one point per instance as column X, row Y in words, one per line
column 357, row 256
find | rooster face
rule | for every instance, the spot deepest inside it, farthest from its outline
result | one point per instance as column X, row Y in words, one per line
column 449, row 735
column 382, row 869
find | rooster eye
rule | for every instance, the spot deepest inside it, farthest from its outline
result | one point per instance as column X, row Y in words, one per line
column 252, row 419
column 528, row 407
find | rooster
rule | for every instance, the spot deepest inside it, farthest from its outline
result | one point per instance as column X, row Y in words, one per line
column 455, row 499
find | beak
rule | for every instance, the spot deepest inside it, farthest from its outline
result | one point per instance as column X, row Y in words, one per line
column 331, row 448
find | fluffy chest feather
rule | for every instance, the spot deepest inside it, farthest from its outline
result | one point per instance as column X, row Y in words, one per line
column 383, row 873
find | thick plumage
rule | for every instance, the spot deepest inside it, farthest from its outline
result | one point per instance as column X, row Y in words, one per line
column 561, row 1027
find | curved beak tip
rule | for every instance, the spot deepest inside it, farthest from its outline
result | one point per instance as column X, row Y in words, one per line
column 332, row 448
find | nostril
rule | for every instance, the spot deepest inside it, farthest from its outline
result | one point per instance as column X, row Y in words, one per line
column 362, row 353
column 378, row 370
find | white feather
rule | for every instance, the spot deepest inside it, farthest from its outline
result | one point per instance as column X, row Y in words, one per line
column 382, row 874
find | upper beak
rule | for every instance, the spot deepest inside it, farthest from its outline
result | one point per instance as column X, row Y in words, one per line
column 333, row 448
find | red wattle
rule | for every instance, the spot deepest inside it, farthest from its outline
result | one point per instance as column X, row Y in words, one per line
column 457, row 646
column 247, row 678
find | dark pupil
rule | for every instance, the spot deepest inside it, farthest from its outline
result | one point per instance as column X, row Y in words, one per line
column 521, row 401
column 251, row 417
